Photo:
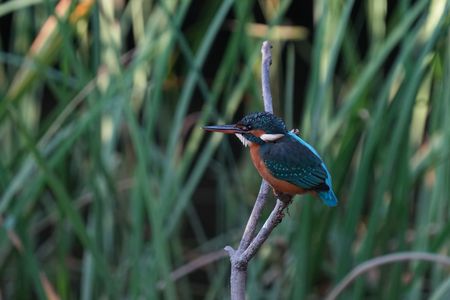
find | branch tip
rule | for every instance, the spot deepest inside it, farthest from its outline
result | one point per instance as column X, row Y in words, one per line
column 229, row 250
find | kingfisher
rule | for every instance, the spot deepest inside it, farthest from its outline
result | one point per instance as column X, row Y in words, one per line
column 289, row 164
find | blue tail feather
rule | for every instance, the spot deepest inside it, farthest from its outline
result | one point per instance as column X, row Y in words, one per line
column 328, row 197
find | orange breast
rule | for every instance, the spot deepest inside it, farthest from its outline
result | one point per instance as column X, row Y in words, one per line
column 279, row 185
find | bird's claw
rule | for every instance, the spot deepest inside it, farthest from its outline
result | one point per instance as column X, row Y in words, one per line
column 286, row 198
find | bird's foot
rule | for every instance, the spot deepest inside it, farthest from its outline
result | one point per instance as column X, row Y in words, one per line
column 287, row 211
column 286, row 198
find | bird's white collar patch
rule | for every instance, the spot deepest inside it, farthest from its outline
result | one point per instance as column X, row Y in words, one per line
column 266, row 137
column 271, row 137
column 243, row 140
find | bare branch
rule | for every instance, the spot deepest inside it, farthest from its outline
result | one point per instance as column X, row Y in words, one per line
column 193, row 265
column 249, row 244
column 254, row 216
column 382, row 260
column 265, row 75
column 274, row 219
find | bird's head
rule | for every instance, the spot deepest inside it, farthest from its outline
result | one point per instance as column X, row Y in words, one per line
column 258, row 128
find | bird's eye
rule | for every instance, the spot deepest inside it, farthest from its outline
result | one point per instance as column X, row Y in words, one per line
column 248, row 127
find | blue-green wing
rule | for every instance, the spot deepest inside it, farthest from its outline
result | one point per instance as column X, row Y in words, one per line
column 293, row 161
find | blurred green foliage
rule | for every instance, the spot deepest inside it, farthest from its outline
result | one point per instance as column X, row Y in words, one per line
column 108, row 183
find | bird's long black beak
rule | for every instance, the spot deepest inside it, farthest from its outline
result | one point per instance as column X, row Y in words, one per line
column 224, row 129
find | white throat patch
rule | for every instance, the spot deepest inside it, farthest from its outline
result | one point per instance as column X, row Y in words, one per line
column 266, row 137
column 243, row 140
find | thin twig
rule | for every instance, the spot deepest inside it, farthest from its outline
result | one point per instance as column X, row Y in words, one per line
column 254, row 216
column 265, row 76
column 382, row 260
column 274, row 219
column 193, row 265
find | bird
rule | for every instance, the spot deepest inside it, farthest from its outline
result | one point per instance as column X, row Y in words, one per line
column 288, row 163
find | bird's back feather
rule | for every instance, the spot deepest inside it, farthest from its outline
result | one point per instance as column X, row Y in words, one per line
column 294, row 160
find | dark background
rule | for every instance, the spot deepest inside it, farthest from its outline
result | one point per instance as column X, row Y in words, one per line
column 110, row 189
